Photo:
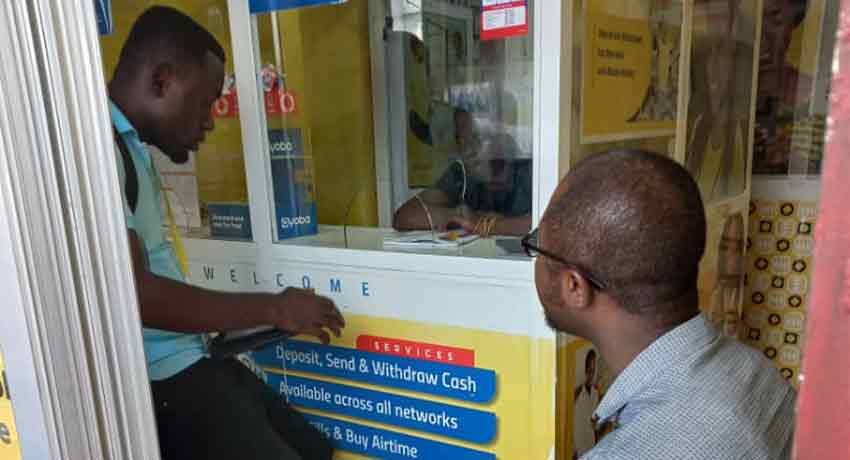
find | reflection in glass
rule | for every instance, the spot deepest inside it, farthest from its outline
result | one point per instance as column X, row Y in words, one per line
column 469, row 115
column 719, row 103
column 489, row 178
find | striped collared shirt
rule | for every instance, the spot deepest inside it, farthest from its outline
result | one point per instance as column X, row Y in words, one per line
column 694, row 394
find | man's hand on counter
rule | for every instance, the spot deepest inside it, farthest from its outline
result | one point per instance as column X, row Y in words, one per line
column 173, row 305
column 301, row 311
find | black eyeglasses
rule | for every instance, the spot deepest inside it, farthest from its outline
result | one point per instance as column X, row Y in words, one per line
column 531, row 246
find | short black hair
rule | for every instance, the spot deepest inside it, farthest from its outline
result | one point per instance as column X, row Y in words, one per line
column 166, row 32
column 636, row 220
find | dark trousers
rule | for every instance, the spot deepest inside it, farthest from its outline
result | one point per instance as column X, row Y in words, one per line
column 219, row 410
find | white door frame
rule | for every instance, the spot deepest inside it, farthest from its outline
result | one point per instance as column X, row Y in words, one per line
column 72, row 336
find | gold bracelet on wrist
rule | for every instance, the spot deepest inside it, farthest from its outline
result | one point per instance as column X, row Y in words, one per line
column 493, row 221
column 479, row 225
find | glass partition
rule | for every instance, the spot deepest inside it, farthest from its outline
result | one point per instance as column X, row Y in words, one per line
column 459, row 108
column 208, row 194
column 468, row 128
column 317, row 92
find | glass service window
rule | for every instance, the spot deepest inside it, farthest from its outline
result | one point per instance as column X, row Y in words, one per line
column 208, row 194
column 458, row 104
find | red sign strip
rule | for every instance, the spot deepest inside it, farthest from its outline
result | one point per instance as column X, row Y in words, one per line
column 417, row 350
column 504, row 18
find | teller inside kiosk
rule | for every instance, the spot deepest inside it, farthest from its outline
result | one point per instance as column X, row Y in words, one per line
column 390, row 155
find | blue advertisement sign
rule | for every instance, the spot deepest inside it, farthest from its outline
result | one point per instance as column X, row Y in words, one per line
column 389, row 445
column 405, row 412
column 266, row 6
column 457, row 382
column 292, row 183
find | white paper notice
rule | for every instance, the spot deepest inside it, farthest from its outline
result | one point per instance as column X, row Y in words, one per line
column 180, row 182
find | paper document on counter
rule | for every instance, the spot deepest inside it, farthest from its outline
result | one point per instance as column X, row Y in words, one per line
column 426, row 239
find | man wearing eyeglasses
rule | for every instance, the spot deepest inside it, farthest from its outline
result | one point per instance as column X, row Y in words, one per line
column 619, row 249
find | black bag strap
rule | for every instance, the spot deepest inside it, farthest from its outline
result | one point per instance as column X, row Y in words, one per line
column 224, row 347
column 131, row 180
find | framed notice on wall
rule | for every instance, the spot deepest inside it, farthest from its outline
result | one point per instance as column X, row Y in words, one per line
column 630, row 69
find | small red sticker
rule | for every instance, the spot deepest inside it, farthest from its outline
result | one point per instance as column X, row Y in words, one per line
column 227, row 106
column 280, row 101
column 504, row 18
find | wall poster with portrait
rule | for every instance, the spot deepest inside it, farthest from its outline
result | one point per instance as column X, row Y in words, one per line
column 793, row 80
column 723, row 47
column 721, row 282
column 724, row 43
column 582, row 384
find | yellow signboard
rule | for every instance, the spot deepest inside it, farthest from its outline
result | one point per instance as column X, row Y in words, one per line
column 407, row 389
column 630, row 72
column 9, row 445
column 583, row 379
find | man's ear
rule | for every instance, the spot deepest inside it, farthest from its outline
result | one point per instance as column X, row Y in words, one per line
column 576, row 292
column 163, row 76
